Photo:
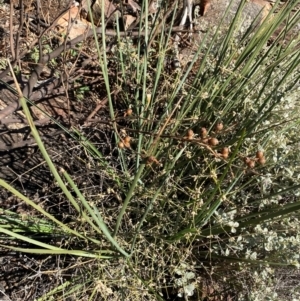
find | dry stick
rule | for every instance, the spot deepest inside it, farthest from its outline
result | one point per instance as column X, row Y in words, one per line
column 17, row 51
column 123, row 34
column 40, row 40
column 4, row 73
column 51, row 88
column 11, row 32
column 94, row 112
column 38, row 10
column 162, row 23
column 164, row 126
column 67, row 74
column 47, row 89
column 160, row 135
column 66, row 83
column 36, row 73
column 43, row 61
column 20, row 144
column 15, row 120
column 99, row 106
column 46, row 58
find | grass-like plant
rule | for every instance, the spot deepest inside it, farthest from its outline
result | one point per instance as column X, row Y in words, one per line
column 207, row 169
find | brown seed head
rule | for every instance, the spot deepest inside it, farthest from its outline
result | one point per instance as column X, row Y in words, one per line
column 203, row 132
column 213, row 141
column 190, row 134
column 262, row 160
column 121, row 144
column 225, row 156
column 247, row 160
column 259, row 154
column 219, row 126
column 152, row 159
column 225, row 152
column 251, row 164
column 127, row 139
column 128, row 112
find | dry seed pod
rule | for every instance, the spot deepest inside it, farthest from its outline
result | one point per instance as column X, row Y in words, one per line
column 121, row 144
column 259, row 154
column 219, row 126
column 225, row 156
column 127, row 139
column 203, row 132
column 262, row 160
column 128, row 112
column 247, row 160
column 190, row 134
column 123, row 132
column 251, row 164
column 151, row 159
column 213, row 141
column 225, row 152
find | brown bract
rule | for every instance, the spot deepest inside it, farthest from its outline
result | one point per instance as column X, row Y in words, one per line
column 259, row 154
column 203, row 132
column 225, row 152
column 121, row 144
column 190, row 134
column 262, row 160
column 213, row 141
column 247, row 160
column 152, row 159
column 127, row 139
column 251, row 164
column 128, row 112
column 219, row 126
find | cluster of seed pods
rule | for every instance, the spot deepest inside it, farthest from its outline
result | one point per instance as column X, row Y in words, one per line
column 211, row 141
column 125, row 142
column 224, row 152
column 205, row 139
column 259, row 158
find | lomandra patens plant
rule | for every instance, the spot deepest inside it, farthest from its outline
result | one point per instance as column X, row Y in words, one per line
column 200, row 198
column 206, row 168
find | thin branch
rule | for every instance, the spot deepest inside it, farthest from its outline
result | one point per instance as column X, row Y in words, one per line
column 11, row 31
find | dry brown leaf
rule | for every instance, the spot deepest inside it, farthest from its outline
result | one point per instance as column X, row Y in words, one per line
column 204, row 6
column 133, row 5
column 153, row 7
column 110, row 11
column 128, row 20
column 70, row 24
